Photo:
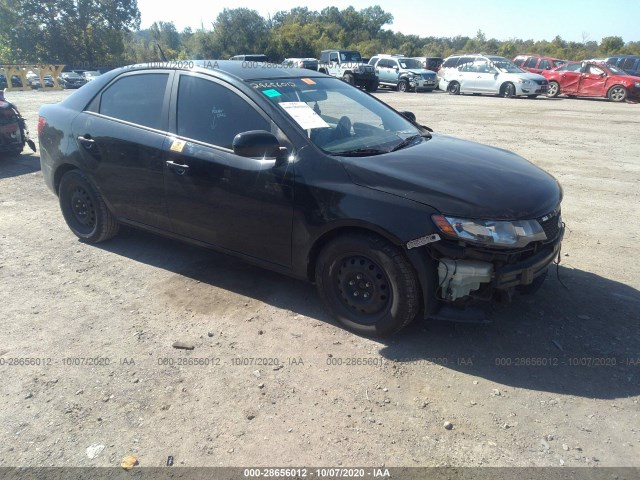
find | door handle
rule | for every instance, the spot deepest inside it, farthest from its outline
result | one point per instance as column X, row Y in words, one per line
column 177, row 168
column 86, row 141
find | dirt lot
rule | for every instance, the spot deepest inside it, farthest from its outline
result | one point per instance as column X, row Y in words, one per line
column 554, row 380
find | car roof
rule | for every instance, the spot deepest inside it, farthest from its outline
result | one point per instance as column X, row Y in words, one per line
column 226, row 69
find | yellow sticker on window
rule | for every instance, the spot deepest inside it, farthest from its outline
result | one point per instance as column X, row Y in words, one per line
column 308, row 81
column 177, row 145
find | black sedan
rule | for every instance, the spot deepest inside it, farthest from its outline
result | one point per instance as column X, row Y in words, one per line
column 303, row 174
column 71, row 80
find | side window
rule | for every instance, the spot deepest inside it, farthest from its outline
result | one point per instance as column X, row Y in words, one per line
column 464, row 60
column 333, row 57
column 595, row 70
column 628, row 63
column 573, row 67
column 137, row 99
column 545, row 65
column 211, row 113
column 393, row 63
column 531, row 62
column 373, row 60
column 384, row 63
column 451, row 62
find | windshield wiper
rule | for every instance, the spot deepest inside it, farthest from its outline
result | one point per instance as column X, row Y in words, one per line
column 407, row 141
column 360, row 152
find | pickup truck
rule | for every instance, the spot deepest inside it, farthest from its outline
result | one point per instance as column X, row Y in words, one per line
column 348, row 65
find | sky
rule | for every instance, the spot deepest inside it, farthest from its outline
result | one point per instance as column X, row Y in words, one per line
column 573, row 20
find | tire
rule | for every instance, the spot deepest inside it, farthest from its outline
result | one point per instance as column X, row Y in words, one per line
column 84, row 209
column 532, row 96
column 453, row 88
column 509, row 90
column 617, row 93
column 367, row 284
column 347, row 77
column 403, row 86
column 554, row 90
column 371, row 86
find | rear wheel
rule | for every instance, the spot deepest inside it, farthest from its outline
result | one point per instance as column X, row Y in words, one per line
column 403, row 86
column 509, row 90
column 367, row 284
column 617, row 93
column 84, row 209
column 454, row 88
column 554, row 90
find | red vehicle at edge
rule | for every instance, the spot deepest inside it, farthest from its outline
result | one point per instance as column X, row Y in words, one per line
column 592, row 79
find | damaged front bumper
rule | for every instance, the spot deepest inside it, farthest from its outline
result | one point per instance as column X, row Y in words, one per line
column 468, row 274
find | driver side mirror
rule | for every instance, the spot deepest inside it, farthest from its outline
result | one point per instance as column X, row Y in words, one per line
column 409, row 116
column 258, row 144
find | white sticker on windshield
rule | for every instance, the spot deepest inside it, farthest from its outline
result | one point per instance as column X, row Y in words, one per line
column 304, row 115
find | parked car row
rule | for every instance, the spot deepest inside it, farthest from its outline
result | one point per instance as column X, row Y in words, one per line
column 490, row 74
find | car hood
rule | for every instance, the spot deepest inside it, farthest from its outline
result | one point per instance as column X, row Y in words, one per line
column 527, row 75
column 462, row 178
column 420, row 71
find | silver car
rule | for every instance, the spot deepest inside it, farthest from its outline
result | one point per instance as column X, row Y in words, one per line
column 494, row 76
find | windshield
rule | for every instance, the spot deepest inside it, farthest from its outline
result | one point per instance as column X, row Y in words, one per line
column 338, row 118
column 350, row 57
column 615, row 70
column 409, row 63
column 506, row 66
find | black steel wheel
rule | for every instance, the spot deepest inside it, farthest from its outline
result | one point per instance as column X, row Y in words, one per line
column 84, row 209
column 367, row 284
column 372, row 86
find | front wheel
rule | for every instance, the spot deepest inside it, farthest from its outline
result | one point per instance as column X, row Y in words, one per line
column 371, row 86
column 454, row 88
column 347, row 77
column 367, row 284
column 84, row 209
column 509, row 90
column 554, row 90
column 403, row 86
column 617, row 93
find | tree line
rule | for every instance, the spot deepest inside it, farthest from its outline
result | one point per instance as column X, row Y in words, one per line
column 107, row 33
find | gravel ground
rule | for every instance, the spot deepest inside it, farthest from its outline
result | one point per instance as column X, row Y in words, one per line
column 90, row 375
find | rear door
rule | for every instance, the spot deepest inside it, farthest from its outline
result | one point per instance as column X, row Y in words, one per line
column 121, row 136
column 239, row 204
column 569, row 79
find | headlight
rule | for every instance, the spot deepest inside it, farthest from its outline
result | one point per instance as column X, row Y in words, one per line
column 492, row 233
column 637, row 85
column 523, row 81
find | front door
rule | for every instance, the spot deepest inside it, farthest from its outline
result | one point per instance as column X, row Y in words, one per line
column 593, row 82
column 239, row 204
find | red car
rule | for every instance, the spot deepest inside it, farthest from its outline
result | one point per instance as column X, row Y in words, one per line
column 592, row 79
column 537, row 63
